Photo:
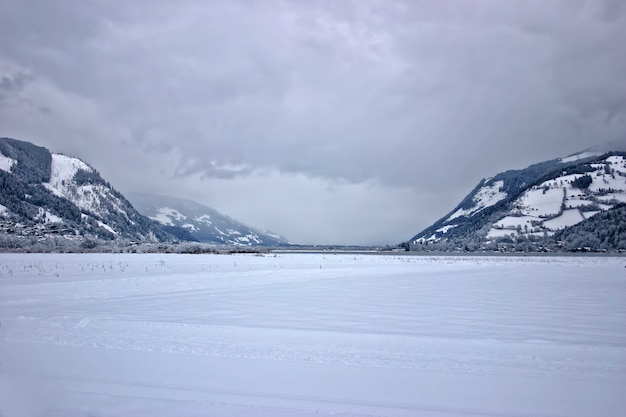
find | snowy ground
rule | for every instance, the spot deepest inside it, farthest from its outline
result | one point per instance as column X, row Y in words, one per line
column 311, row 335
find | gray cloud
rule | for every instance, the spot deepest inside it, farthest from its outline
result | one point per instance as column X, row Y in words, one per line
column 426, row 97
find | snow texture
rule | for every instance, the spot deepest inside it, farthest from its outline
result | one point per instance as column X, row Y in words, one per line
column 98, row 199
column 495, row 233
column 166, row 215
column 540, row 203
column 445, row 229
column 190, row 227
column 487, row 196
column 62, row 171
column 311, row 335
column 106, row 227
column 205, row 218
column 578, row 156
column 620, row 197
column 515, row 221
column 49, row 217
column 6, row 163
column 566, row 219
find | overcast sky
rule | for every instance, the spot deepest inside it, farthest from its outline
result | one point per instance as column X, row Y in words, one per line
column 343, row 122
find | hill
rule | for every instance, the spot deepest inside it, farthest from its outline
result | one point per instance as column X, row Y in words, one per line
column 48, row 195
column 189, row 220
column 532, row 208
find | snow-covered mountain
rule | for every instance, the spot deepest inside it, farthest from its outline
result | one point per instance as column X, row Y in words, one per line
column 528, row 207
column 189, row 220
column 46, row 194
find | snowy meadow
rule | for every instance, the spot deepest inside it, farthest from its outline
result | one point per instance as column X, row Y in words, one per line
column 105, row 335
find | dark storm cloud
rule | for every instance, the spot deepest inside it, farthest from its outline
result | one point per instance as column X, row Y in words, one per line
column 423, row 96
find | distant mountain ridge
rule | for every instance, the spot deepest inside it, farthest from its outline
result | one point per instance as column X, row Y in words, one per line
column 189, row 220
column 525, row 209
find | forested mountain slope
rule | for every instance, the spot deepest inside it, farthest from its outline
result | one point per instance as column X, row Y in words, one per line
column 189, row 220
column 48, row 194
column 530, row 209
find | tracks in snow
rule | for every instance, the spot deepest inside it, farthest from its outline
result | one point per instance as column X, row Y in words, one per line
column 320, row 346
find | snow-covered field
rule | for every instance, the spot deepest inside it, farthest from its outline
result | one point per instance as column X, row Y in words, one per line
column 311, row 335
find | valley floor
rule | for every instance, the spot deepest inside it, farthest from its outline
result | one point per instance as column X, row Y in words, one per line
column 311, row 335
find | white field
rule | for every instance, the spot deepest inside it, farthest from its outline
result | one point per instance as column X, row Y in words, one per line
column 568, row 218
column 311, row 335
column 514, row 221
column 6, row 163
column 621, row 197
column 536, row 202
column 589, row 214
column 494, row 233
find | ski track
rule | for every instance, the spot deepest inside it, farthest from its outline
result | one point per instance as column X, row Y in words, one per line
column 312, row 334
